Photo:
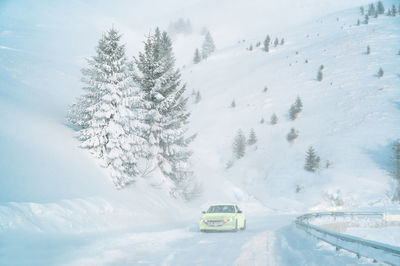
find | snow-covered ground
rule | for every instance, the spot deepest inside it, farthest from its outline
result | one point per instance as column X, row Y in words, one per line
column 58, row 207
column 388, row 235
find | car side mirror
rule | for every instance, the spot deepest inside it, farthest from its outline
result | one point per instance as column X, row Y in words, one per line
column 239, row 211
column 203, row 212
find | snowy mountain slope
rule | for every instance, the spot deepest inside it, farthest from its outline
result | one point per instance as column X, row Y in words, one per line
column 351, row 117
column 48, row 185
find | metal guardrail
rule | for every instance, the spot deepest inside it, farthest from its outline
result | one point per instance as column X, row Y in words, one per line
column 361, row 247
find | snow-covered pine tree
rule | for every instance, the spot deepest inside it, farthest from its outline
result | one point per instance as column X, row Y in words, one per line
column 208, row 46
column 396, row 169
column 358, row 22
column 292, row 135
column 380, row 72
column 166, row 116
column 266, row 43
column 233, row 103
column 282, row 41
column 197, row 57
column 103, row 113
column 239, row 145
column 262, row 120
column 362, row 11
column 252, row 137
column 251, row 47
column 312, row 160
column 368, row 50
column 380, row 8
column 366, row 19
column 266, row 88
column 276, row 42
column 274, row 119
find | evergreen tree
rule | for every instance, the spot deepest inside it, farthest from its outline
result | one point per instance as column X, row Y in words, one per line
column 274, row 119
column 166, row 116
column 320, row 75
column 276, row 42
column 358, row 22
column 258, row 44
column 371, row 10
column 198, row 97
column 298, row 104
column 208, row 45
column 108, row 114
column 368, row 50
column 197, row 57
column 380, row 72
column 282, row 41
column 293, row 112
column 266, row 43
column 394, row 10
column 292, row 135
column 396, row 169
column 262, row 120
column 239, row 145
column 266, row 88
column 366, row 19
column 380, row 8
column 362, row 11
column 233, row 103
column 312, row 160
column 251, row 47
column 252, row 137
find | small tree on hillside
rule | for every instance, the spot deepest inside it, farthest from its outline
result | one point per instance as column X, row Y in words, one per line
column 368, row 50
column 380, row 72
column 293, row 112
column 371, row 10
column 312, row 160
column 282, row 41
column 394, row 10
column 362, row 11
column 208, row 46
column 276, row 42
column 366, row 19
column 252, row 137
column 380, row 8
column 197, row 57
column 396, row 169
column 239, row 145
column 266, row 88
column 274, row 119
column 266, row 43
column 292, row 135
column 358, row 22
column 233, row 103
column 320, row 76
column 298, row 104
column 262, row 120
column 198, row 97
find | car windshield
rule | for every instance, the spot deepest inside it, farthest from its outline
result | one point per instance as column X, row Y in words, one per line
column 221, row 209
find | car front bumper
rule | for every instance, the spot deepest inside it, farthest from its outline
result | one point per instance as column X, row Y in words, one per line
column 229, row 226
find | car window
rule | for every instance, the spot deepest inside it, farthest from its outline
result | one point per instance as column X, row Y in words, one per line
column 221, row 209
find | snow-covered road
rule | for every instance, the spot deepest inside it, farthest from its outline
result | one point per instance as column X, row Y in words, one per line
column 175, row 244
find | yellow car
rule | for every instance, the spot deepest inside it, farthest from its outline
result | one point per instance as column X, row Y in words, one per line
column 223, row 217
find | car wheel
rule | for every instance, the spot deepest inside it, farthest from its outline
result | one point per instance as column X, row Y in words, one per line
column 244, row 225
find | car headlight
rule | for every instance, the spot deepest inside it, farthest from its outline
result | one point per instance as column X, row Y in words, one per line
column 204, row 220
column 228, row 220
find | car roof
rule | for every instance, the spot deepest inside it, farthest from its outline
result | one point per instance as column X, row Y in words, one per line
column 229, row 204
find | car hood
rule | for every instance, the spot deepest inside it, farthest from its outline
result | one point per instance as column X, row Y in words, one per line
column 218, row 216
